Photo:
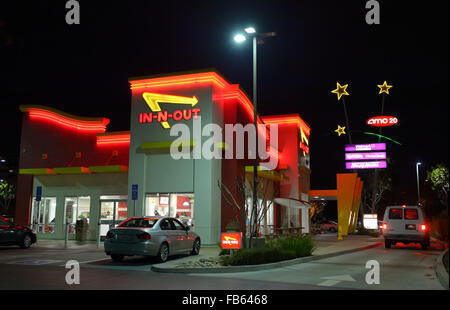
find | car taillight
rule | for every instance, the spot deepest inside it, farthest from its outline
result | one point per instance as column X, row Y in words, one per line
column 423, row 227
column 109, row 235
column 385, row 226
column 144, row 236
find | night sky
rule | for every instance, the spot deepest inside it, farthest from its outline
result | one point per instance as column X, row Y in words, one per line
column 84, row 69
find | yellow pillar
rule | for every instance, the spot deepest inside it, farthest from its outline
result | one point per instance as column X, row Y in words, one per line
column 346, row 186
column 357, row 204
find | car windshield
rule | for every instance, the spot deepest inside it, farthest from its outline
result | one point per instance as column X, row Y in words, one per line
column 139, row 222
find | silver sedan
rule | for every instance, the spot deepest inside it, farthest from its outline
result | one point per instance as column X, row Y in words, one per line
column 151, row 236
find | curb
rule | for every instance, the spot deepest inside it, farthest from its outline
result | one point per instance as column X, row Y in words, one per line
column 440, row 270
column 231, row 269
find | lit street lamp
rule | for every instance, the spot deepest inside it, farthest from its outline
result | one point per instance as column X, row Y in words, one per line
column 256, row 37
column 417, row 174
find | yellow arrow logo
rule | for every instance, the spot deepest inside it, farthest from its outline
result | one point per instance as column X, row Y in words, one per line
column 153, row 100
column 229, row 238
column 304, row 139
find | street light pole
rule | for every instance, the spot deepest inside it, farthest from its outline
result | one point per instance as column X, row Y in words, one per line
column 241, row 38
column 418, row 190
column 255, row 164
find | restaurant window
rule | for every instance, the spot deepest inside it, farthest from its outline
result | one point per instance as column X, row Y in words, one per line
column 43, row 214
column 176, row 205
column 76, row 208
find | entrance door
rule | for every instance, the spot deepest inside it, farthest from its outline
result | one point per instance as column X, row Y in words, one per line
column 112, row 213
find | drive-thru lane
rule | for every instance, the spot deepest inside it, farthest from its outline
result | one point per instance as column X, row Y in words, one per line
column 402, row 267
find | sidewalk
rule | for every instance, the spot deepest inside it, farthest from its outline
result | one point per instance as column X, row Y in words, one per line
column 71, row 245
column 327, row 245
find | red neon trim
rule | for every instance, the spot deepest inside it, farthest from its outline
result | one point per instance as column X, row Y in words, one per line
column 287, row 120
column 204, row 77
column 113, row 139
column 88, row 126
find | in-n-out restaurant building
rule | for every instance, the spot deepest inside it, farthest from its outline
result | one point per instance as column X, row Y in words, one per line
column 72, row 168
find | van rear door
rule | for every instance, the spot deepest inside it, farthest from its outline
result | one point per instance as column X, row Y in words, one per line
column 412, row 220
column 394, row 220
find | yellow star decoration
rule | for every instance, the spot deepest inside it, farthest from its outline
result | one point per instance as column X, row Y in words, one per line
column 340, row 90
column 340, row 130
column 384, row 88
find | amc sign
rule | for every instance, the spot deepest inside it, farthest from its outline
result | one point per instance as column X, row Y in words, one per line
column 231, row 241
column 382, row 121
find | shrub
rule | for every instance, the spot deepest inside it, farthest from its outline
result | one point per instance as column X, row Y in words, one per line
column 301, row 245
column 257, row 256
column 439, row 229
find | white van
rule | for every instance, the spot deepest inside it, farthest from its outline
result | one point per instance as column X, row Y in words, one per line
column 405, row 224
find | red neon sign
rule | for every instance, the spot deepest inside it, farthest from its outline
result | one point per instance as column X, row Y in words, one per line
column 162, row 116
column 382, row 121
column 231, row 241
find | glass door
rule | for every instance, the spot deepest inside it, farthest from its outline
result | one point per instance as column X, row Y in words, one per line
column 44, row 222
column 76, row 208
column 112, row 213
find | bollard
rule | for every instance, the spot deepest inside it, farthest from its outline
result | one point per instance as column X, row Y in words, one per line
column 66, row 237
column 98, row 233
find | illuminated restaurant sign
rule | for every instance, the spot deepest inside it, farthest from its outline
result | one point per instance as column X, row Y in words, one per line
column 370, row 221
column 365, row 156
column 382, row 121
column 153, row 100
column 231, row 241
column 365, row 164
column 365, row 147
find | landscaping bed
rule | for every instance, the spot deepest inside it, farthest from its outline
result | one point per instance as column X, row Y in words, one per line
column 276, row 250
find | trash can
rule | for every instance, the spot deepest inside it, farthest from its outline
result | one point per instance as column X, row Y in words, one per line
column 81, row 228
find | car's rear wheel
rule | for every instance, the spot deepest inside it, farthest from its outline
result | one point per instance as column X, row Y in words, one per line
column 163, row 253
column 26, row 242
column 117, row 258
column 196, row 247
column 387, row 243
